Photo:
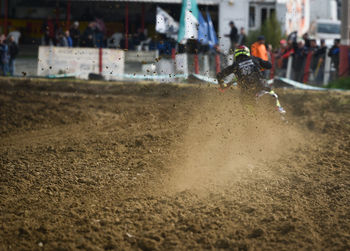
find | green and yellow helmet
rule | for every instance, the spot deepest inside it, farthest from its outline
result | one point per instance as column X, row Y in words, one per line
column 242, row 50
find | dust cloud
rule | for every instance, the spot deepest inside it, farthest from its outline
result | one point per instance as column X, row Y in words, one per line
column 226, row 139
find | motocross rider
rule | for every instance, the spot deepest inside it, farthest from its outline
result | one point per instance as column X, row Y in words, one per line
column 249, row 77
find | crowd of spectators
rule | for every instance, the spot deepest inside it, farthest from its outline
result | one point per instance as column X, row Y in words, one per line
column 93, row 36
column 299, row 49
column 8, row 53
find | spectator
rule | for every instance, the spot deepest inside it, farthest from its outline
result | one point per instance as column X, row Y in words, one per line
column 233, row 36
column 286, row 50
column 334, row 54
column 99, row 33
column 122, row 42
column 49, row 30
column 320, row 55
column 4, row 56
column 299, row 57
column 306, row 40
column 313, row 48
column 61, row 40
column 242, row 37
column 138, row 38
column 13, row 50
column 164, row 45
column 259, row 49
column 88, row 36
column 153, row 46
column 269, row 55
column 75, row 34
column 68, row 38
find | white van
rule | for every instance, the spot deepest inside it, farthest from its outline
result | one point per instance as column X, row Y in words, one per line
column 326, row 29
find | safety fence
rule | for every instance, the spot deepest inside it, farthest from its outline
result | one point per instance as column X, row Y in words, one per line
column 114, row 64
column 310, row 67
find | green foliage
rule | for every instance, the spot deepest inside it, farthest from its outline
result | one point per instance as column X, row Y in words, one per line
column 341, row 83
column 271, row 29
column 252, row 37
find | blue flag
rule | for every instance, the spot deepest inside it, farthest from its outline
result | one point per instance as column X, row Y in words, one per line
column 213, row 39
column 203, row 36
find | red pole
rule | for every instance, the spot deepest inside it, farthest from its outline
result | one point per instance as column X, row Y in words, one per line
column 217, row 63
column 307, row 67
column 68, row 14
column 100, row 60
column 143, row 18
column 126, row 25
column 173, row 53
column 5, row 21
column 196, row 64
column 344, row 61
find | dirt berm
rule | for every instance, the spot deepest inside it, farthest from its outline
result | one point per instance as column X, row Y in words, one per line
column 97, row 166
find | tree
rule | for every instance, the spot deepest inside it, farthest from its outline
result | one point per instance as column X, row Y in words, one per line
column 271, row 29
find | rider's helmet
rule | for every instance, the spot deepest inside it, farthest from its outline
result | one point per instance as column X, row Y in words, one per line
column 242, row 50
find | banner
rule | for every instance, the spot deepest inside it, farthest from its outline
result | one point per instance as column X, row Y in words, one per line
column 165, row 24
column 213, row 39
column 297, row 16
column 203, row 36
column 188, row 21
column 80, row 61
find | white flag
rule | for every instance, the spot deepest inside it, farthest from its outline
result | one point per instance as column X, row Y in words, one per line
column 166, row 24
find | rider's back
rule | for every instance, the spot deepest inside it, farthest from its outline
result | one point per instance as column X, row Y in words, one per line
column 247, row 72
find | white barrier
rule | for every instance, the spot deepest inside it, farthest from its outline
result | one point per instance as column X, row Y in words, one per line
column 141, row 56
column 80, row 61
column 181, row 63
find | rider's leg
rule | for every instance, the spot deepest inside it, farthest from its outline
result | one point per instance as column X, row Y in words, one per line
column 273, row 94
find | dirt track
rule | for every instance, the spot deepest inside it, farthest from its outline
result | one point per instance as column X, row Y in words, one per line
column 169, row 167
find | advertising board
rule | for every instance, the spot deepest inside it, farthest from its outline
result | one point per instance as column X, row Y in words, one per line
column 80, row 61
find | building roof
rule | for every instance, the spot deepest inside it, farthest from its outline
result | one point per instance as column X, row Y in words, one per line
column 204, row 2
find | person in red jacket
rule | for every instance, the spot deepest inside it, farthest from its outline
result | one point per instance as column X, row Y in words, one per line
column 285, row 52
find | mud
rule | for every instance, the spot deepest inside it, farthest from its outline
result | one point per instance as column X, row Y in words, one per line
column 96, row 166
